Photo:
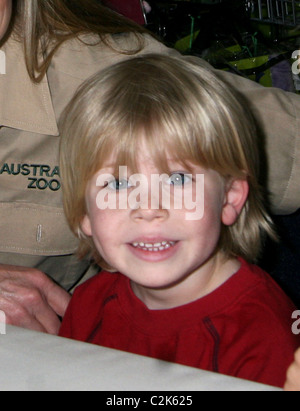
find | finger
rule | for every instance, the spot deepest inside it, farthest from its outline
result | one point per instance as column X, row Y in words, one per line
column 37, row 304
column 297, row 357
column 290, row 387
column 48, row 319
column 33, row 300
column 28, row 308
column 57, row 298
column 18, row 316
column 28, row 323
column 293, row 378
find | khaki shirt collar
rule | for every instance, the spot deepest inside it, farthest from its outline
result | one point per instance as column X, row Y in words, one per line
column 24, row 105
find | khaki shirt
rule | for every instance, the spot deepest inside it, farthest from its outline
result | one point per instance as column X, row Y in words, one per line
column 33, row 229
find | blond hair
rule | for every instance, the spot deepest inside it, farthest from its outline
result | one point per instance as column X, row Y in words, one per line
column 182, row 109
column 43, row 26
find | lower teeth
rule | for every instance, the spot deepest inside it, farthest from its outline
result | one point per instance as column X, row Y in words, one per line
column 162, row 248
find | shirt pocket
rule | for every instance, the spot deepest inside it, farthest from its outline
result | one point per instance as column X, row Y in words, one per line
column 35, row 230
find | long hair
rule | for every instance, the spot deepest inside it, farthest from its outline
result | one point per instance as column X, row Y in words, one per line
column 42, row 26
column 184, row 111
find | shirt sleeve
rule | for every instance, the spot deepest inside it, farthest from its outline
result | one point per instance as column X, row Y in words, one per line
column 276, row 113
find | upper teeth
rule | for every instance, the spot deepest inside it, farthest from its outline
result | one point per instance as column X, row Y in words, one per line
column 154, row 246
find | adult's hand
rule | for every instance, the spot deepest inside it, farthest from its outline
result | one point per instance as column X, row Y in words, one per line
column 31, row 300
column 293, row 375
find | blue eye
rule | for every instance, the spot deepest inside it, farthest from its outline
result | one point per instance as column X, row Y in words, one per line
column 119, row 185
column 179, row 179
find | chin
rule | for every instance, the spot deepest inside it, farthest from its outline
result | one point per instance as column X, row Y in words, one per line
column 156, row 283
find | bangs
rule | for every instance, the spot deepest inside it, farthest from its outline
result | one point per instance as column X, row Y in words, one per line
column 168, row 132
column 165, row 143
column 186, row 115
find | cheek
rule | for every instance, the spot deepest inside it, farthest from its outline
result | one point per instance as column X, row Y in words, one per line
column 209, row 227
column 106, row 226
column 213, row 199
column 211, row 222
column 108, row 230
column 102, row 223
column 102, row 229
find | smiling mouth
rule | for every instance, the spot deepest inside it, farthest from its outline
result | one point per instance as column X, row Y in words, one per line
column 154, row 247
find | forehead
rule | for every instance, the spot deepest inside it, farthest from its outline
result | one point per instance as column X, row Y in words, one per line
column 146, row 156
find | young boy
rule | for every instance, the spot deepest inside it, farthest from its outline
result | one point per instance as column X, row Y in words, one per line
column 160, row 170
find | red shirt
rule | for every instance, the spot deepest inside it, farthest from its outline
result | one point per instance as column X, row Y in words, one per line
column 242, row 329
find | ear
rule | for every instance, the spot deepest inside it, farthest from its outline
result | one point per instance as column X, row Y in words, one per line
column 235, row 199
column 86, row 226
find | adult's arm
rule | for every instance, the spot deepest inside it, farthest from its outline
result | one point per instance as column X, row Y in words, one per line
column 277, row 115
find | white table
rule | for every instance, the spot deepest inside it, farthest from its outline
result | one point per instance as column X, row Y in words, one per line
column 32, row 361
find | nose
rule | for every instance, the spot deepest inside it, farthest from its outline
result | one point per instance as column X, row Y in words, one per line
column 150, row 202
column 149, row 206
column 149, row 214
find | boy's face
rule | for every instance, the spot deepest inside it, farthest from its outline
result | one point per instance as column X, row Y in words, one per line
column 162, row 248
